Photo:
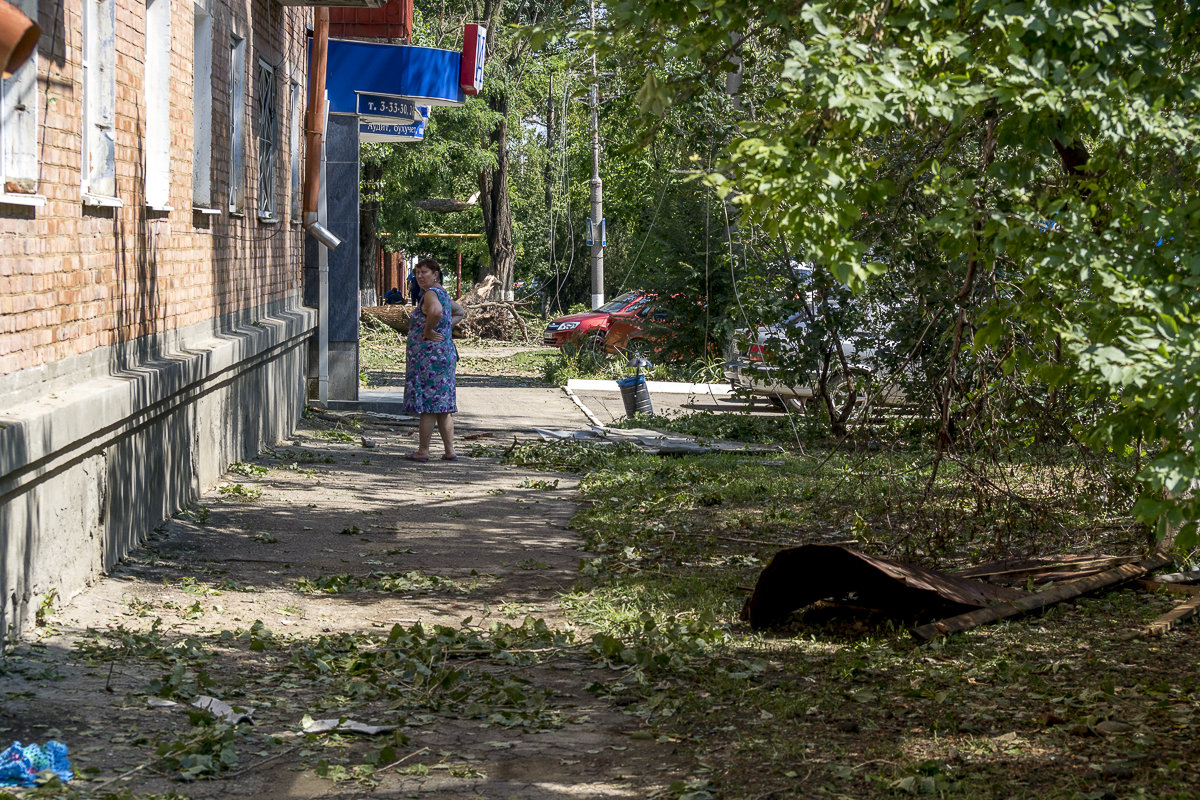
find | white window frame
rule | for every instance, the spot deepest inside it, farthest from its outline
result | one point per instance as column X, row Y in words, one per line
column 158, row 105
column 236, row 200
column 267, row 125
column 18, row 128
column 202, row 103
column 98, row 168
column 297, row 111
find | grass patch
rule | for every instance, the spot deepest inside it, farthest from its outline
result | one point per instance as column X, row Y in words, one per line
column 1058, row 706
column 740, row 427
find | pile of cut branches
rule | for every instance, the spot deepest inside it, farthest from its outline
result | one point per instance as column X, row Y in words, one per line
column 498, row 320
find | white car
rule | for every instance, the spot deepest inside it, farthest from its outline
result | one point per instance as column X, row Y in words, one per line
column 755, row 370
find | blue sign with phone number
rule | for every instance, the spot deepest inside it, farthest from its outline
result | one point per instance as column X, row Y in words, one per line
column 399, row 110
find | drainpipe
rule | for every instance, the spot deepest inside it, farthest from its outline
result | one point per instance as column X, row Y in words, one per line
column 315, row 213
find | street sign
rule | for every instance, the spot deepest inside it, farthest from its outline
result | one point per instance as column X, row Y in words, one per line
column 390, row 132
column 387, row 109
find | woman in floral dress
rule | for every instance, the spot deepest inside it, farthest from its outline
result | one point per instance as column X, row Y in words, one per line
column 431, row 358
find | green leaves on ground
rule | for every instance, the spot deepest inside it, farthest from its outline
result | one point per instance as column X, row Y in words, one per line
column 408, row 583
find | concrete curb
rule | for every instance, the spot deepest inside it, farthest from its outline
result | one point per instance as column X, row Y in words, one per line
column 661, row 387
column 587, row 412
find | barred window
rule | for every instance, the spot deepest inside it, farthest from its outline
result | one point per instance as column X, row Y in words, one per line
column 237, row 124
column 268, row 135
column 297, row 106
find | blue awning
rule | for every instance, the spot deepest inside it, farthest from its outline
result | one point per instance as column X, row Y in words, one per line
column 425, row 74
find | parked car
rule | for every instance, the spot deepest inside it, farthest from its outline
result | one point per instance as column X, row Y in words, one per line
column 589, row 326
column 755, row 365
column 640, row 330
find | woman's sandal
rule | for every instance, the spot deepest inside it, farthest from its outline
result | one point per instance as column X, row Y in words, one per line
column 417, row 458
column 450, row 458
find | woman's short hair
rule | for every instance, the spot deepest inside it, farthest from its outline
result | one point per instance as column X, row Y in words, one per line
column 433, row 266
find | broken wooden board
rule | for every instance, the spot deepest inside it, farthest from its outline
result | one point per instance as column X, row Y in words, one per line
column 1159, row 585
column 1173, row 617
column 1058, row 593
column 799, row 576
column 1043, row 568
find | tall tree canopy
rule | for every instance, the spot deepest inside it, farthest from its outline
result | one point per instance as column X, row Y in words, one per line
column 1024, row 172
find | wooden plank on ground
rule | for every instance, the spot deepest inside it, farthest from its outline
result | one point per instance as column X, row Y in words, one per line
column 1037, row 568
column 1066, row 590
column 1176, row 615
column 1157, row 585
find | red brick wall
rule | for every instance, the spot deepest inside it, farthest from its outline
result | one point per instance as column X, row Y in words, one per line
column 73, row 277
column 392, row 20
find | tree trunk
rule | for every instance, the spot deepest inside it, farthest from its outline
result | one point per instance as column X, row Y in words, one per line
column 368, row 233
column 493, row 183
column 493, row 200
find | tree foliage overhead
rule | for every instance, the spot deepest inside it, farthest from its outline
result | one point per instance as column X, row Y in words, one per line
column 1024, row 172
column 662, row 235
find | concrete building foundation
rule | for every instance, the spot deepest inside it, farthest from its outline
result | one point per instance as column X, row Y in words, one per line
column 98, row 449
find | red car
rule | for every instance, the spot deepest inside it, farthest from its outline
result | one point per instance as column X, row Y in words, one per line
column 639, row 330
column 590, row 324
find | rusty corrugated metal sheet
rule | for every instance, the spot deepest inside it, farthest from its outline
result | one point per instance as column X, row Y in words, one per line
column 799, row 576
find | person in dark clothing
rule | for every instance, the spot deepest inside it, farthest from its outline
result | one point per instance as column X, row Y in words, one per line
column 414, row 289
column 394, row 297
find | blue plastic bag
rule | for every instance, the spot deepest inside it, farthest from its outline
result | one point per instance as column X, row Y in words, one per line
column 21, row 765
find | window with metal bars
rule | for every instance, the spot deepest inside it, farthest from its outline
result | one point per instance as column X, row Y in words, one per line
column 268, row 135
column 237, row 123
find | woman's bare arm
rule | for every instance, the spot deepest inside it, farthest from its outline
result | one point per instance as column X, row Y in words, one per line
column 433, row 315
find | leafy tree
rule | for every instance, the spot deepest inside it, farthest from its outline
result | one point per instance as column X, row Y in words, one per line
column 1027, row 171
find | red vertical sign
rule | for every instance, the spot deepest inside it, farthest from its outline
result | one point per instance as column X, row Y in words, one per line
column 474, row 48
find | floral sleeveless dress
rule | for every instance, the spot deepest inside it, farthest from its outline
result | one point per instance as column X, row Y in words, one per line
column 429, row 378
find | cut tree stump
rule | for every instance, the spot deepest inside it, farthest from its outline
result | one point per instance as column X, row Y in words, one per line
column 1058, row 593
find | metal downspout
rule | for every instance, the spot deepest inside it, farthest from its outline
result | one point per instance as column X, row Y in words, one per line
column 315, row 214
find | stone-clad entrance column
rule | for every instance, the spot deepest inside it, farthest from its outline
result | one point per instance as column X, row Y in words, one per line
column 341, row 198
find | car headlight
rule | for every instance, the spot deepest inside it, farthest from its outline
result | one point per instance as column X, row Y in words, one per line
column 566, row 326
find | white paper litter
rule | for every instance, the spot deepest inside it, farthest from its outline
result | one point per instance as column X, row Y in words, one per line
column 219, row 708
column 343, row 726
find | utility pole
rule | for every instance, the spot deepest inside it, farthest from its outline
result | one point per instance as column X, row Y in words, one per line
column 597, row 187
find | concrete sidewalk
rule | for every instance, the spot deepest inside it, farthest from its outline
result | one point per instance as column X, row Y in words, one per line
column 322, row 504
column 499, row 407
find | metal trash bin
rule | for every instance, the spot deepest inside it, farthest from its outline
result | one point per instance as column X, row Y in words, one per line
column 635, row 395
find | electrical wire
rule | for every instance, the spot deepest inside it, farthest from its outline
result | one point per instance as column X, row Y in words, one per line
column 746, row 318
column 653, row 220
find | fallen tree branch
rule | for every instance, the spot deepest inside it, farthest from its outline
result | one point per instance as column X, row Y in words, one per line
column 1066, row 590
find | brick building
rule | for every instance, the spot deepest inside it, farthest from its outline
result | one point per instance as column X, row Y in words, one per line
column 151, row 324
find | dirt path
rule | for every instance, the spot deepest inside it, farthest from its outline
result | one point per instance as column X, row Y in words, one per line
column 280, row 592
